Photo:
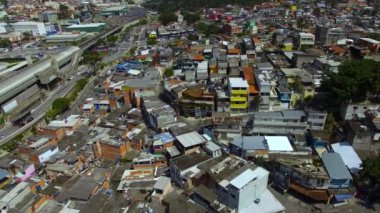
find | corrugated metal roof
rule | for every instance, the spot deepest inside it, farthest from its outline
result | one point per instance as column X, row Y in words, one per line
column 250, row 142
column 335, row 166
column 191, row 139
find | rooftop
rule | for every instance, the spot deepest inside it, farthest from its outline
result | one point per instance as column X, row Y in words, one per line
column 304, row 164
column 248, row 176
column 250, row 142
column 190, row 139
column 85, row 25
column 162, row 182
column 238, row 83
column 116, row 8
column 189, row 160
column 278, row 143
column 268, row 203
column 226, row 168
column 371, row 40
column 335, row 166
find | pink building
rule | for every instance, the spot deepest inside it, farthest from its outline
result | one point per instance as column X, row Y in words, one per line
column 26, row 174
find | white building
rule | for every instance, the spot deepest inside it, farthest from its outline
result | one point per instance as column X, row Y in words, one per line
column 37, row 28
column 248, row 192
column 307, row 39
column 202, row 70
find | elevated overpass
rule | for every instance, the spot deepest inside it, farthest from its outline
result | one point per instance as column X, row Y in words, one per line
column 43, row 72
column 50, row 68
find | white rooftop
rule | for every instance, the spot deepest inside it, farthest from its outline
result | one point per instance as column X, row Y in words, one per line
column 238, row 82
column 371, row 40
column 68, row 122
column 279, row 143
column 243, row 179
column 87, row 106
column 349, row 156
column 303, row 34
column 191, row 139
column 85, row 25
column 39, row 143
column 134, row 72
column 202, row 66
column 268, row 204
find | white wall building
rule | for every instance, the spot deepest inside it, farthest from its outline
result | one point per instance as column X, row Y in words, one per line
column 37, row 28
column 248, row 192
column 306, row 39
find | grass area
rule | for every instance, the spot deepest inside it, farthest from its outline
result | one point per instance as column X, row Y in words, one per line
column 12, row 60
column 2, row 120
column 12, row 145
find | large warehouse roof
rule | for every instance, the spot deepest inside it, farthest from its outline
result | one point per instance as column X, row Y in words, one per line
column 27, row 76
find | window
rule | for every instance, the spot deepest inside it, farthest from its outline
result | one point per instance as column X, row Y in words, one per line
column 233, row 196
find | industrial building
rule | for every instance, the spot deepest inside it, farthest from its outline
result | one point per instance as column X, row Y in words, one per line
column 16, row 90
column 37, row 28
column 65, row 37
column 115, row 11
column 90, row 28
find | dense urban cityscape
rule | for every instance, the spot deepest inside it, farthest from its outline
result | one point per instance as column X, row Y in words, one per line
column 153, row 106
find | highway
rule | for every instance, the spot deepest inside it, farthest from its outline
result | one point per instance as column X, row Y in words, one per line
column 8, row 132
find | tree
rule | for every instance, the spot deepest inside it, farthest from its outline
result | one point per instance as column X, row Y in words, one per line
column 356, row 81
column 64, row 12
column 371, row 170
column 100, row 42
column 151, row 41
column 375, row 36
column 167, row 17
column 317, row 11
column 5, row 43
column 112, row 38
column 168, row 72
column 208, row 29
column 143, row 22
column 61, row 104
column 91, row 57
column 191, row 18
column 27, row 35
column 193, row 37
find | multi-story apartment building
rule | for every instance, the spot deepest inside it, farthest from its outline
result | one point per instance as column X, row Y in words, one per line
column 238, row 89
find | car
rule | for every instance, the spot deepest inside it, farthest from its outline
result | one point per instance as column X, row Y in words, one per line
column 29, row 119
column 2, row 136
column 71, row 78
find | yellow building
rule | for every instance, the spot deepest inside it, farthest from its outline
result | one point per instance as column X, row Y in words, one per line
column 287, row 46
column 294, row 99
column 238, row 95
column 308, row 91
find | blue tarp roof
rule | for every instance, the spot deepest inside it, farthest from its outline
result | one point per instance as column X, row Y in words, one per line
column 127, row 65
column 165, row 137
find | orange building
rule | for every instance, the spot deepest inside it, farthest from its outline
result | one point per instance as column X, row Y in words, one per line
column 249, row 77
column 56, row 132
column 38, row 201
column 111, row 149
